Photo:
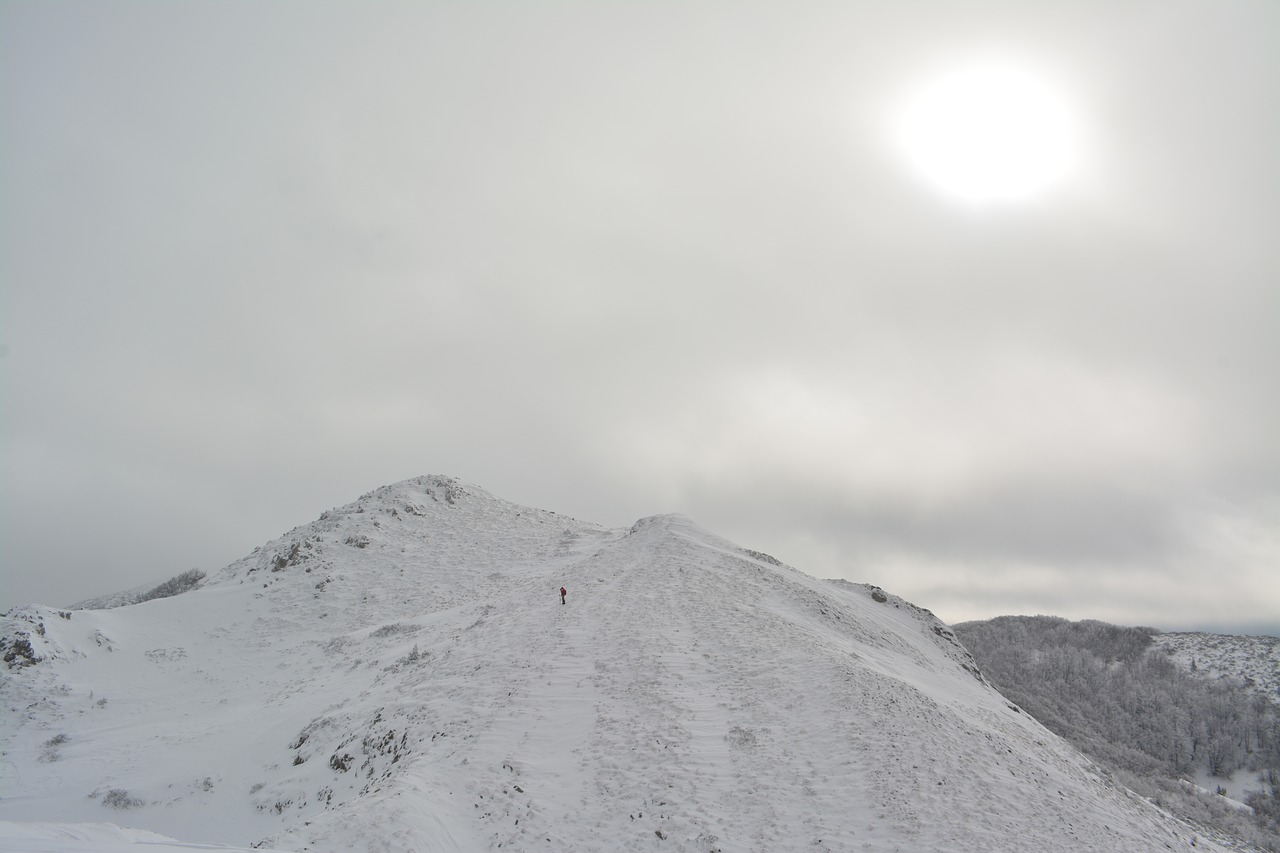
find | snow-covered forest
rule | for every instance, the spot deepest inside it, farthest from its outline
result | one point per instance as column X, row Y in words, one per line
column 1117, row 695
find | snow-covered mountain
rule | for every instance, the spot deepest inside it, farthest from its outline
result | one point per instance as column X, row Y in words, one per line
column 401, row 675
column 1253, row 660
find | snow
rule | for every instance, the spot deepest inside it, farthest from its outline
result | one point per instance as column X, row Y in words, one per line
column 400, row 675
column 1232, row 798
column 1256, row 659
column 94, row 838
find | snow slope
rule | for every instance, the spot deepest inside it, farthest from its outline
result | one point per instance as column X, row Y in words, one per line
column 95, row 838
column 400, row 675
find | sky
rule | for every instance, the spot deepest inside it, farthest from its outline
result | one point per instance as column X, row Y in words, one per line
column 622, row 259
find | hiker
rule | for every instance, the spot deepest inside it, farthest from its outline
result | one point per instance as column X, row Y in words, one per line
column 563, row 593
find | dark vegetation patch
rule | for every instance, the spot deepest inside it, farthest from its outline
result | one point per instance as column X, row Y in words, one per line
column 1121, row 700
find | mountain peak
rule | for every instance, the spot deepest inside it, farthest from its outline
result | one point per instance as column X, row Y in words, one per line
column 667, row 523
column 401, row 672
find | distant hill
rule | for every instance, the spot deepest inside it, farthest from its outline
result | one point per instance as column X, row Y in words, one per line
column 1251, row 660
column 1132, row 699
column 400, row 674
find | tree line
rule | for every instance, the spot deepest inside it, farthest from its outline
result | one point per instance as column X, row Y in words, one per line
column 1123, row 702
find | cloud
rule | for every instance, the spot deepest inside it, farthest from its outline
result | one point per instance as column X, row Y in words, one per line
column 627, row 260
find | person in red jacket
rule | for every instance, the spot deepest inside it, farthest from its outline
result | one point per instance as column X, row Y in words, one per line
column 563, row 593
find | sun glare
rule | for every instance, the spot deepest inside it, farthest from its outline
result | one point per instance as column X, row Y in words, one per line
column 988, row 133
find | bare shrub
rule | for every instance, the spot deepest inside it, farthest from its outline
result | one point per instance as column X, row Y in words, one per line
column 118, row 798
column 51, row 751
column 394, row 628
column 175, row 585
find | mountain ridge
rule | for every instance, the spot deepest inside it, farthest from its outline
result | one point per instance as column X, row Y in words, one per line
column 400, row 674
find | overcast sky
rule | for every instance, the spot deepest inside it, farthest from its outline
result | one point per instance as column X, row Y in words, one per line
column 619, row 259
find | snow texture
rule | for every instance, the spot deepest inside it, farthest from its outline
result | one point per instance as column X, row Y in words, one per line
column 400, row 675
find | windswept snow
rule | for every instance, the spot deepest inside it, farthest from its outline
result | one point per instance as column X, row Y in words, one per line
column 400, row 675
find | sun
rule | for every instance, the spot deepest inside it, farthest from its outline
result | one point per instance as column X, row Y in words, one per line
column 988, row 133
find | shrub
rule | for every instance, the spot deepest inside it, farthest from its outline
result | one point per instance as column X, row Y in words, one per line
column 118, row 798
column 51, row 751
column 175, row 585
column 393, row 629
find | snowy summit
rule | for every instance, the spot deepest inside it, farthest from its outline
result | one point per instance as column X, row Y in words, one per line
column 402, row 675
